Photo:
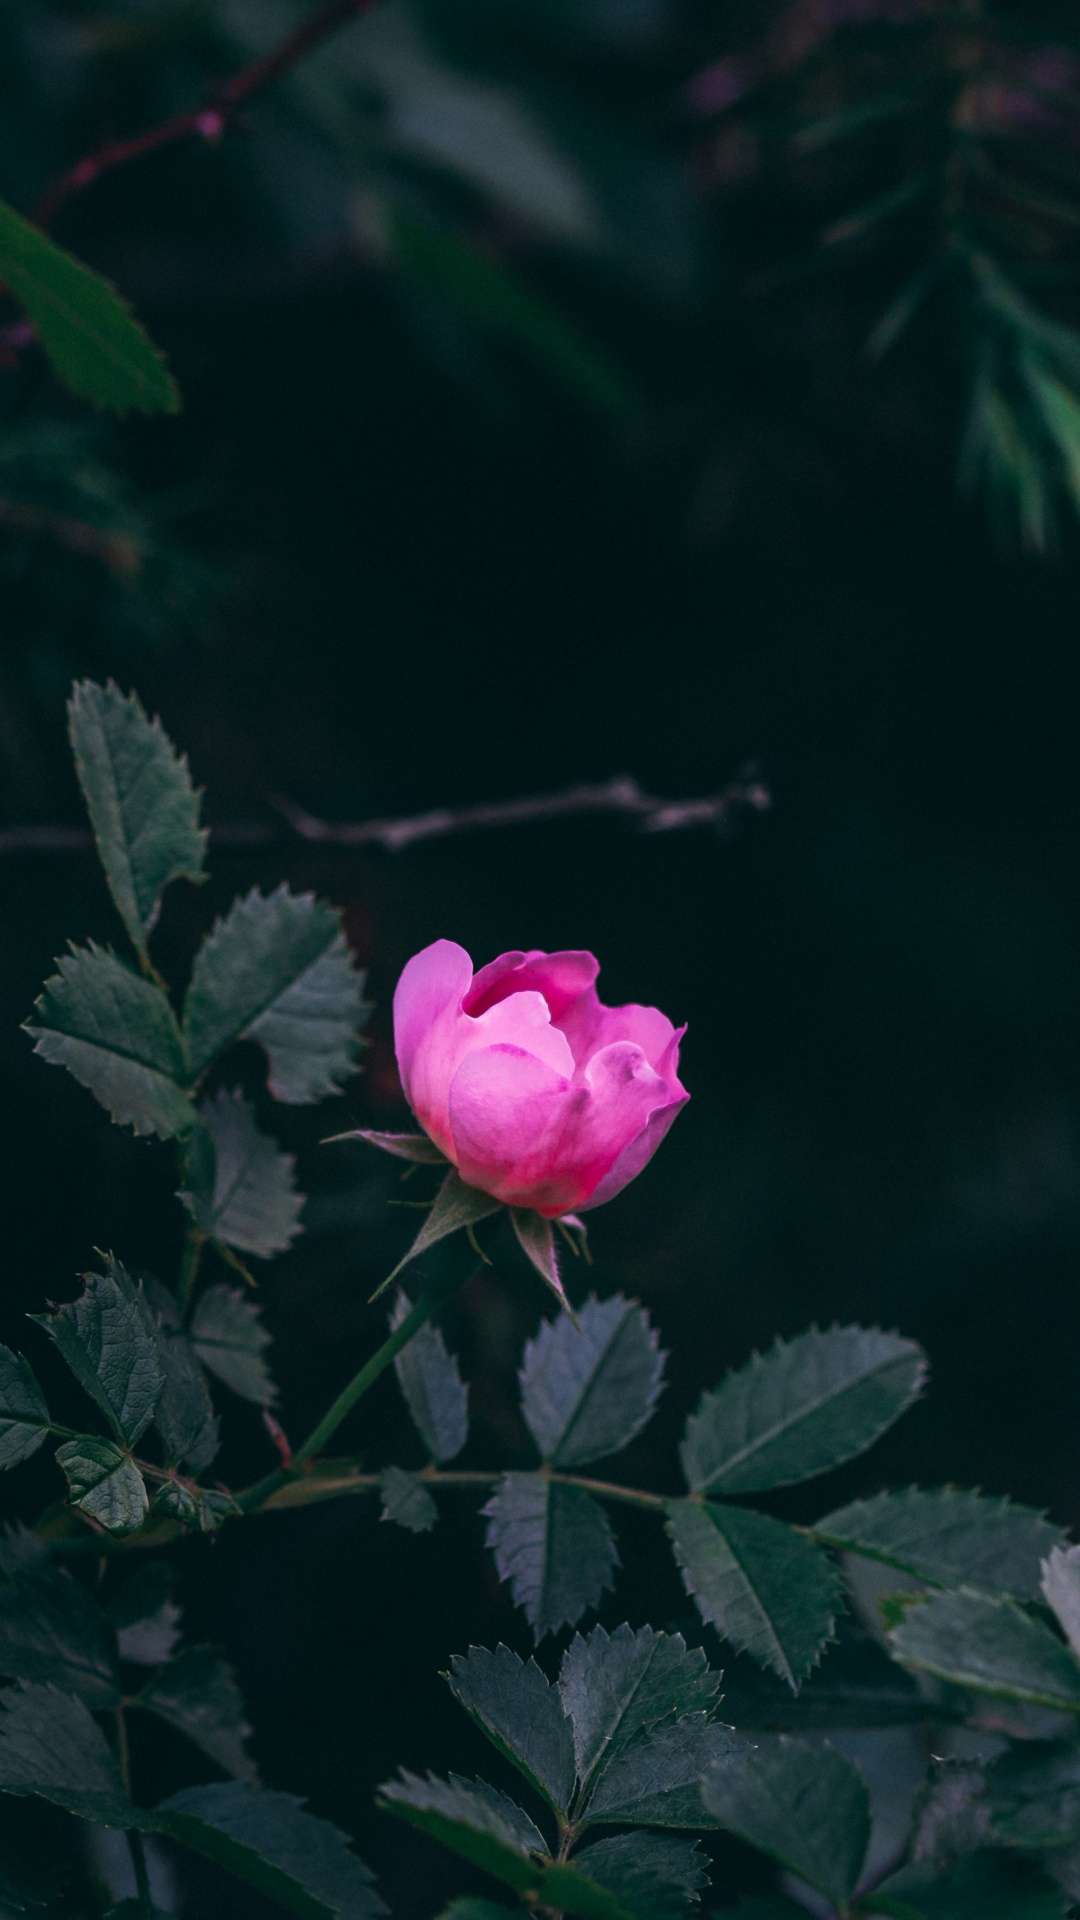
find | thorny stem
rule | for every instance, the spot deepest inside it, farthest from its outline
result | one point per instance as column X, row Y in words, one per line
column 208, row 122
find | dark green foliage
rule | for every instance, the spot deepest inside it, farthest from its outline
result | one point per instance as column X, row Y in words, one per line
column 109, row 1338
column 24, row 1416
column 239, row 1186
column 1060, row 1587
column 949, row 1537
column 94, row 343
column 805, row 1805
column 655, row 1780
column 991, row 1645
column 51, row 1630
column 142, row 806
column 468, row 1820
column 184, row 1415
column 145, row 1616
column 105, row 1483
column 586, row 1390
column 800, row 1409
column 1033, row 1795
column 37, row 1853
column 197, row 1693
column 117, row 1034
column 554, row 1547
column 763, row 1586
column 470, row 1908
column 521, row 1714
column 228, row 1336
column 272, row 1842
column 277, row 969
column 455, row 1206
column 982, row 1886
column 50, row 1745
column 655, row 1875
column 199, row 1509
column 434, row 1391
column 407, row 1500
column 613, row 1685
column 856, row 1685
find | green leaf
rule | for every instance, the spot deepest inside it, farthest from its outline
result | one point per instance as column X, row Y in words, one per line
column 277, row 969
column 145, row 1616
column 613, row 1685
column 24, row 1416
column 434, row 1391
column 197, row 1693
column 471, row 1908
column 104, row 1483
column 763, row 1586
column 51, row 1746
column 22, row 1551
column 521, row 1714
column 404, row 1146
column 1034, row 1795
column 142, row 806
column 527, row 1836
column 407, row 1500
column 51, row 1630
column 184, row 1415
column 228, row 1336
column 1060, row 1586
column 117, row 1035
column 588, row 1389
column 990, row 1645
column 272, row 1842
column 536, row 1237
column 806, row 1806
column 240, row 1187
column 800, row 1409
column 455, row 1813
column 455, row 1206
column 948, row 1537
column 856, row 1685
column 981, row 1886
column 200, row 1509
column 93, row 341
column 109, row 1338
column 553, row 1546
column 653, row 1875
column 655, row 1780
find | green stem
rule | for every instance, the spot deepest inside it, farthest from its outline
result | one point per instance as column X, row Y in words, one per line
column 607, row 1490
column 431, row 1298
column 189, row 1268
column 344, row 1476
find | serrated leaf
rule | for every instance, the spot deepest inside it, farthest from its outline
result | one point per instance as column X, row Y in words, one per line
column 117, row 1035
column 51, row 1630
column 50, row 1745
column 653, row 1875
column 1033, row 1795
column 613, row 1685
column 655, row 1780
column 586, row 1390
column 801, row 1409
column 981, row 1886
column 1060, row 1585
column 273, row 1843
column 94, row 343
column 228, row 1336
column 24, row 1416
column 536, row 1238
column 239, row 1185
column 406, row 1500
column 527, row 1835
column 806, row 1806
column 856, row 1685
column 184, row 1416
column 404, row 1146
column 990, row 1645
column 109, row 1338
column 763, row 1586
column 277, row 969
column 552, row 1545
column 948, row 1537
column 146, row 1619
column 460, row 1817
column 104, row 1483
column 199, row 1509
column 142, row 806
column 197, row 1693
column 435, row 1393
column 455, row 1206
column 522, row 1714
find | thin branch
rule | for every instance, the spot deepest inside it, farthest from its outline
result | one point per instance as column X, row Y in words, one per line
column 623, row 796
column 214, row 118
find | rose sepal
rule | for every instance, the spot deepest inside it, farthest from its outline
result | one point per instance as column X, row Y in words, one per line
column 454, row 1206
column 417, row 1147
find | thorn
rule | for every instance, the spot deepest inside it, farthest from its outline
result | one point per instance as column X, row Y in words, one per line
column 279, row 1438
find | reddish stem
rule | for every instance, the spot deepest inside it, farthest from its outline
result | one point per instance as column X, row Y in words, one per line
column 208, row 122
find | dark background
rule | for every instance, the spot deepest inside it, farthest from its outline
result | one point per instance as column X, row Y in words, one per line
column 392, row 561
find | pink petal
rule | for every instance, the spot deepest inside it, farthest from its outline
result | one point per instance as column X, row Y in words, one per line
column 560, row 977
column 589, row 1026
column 427, row 1007
column 637, row 1155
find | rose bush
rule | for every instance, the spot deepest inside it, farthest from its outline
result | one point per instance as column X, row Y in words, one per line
column 536, row 1092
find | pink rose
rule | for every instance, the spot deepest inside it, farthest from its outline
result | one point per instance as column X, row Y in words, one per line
column 537, row 1093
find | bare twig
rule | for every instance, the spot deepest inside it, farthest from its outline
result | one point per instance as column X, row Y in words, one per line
column 213, row 119
column 721, row 811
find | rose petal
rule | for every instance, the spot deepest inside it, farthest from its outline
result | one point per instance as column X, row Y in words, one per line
column 561, row 977
column 589, row 1026
column 427, row 1006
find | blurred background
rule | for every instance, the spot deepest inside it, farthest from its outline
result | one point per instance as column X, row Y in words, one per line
column 571, row 390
